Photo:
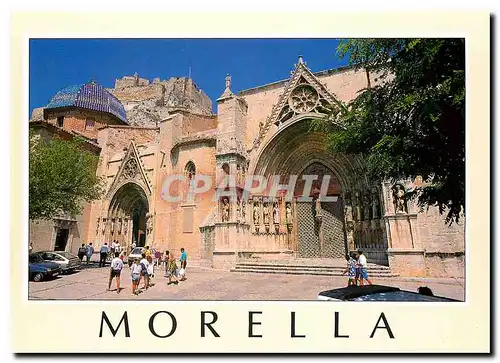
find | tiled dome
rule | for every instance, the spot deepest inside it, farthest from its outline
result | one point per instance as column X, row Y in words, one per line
column 91, row 96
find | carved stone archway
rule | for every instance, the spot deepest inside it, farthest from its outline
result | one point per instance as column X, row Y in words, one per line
column 128, row 219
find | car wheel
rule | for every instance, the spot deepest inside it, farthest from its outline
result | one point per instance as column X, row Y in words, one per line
column 38, row 277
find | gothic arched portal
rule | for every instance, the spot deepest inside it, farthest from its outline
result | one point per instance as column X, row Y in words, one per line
column 127, row 215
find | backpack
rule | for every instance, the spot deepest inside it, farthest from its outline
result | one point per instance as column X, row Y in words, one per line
column 144, row 269
column 82, row 250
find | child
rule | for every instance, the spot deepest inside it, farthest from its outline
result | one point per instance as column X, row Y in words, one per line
column 135, row 271
column 351, row 269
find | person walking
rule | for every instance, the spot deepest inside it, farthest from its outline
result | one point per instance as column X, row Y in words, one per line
column 115, row 271
column 351, row 269
column 89, row 252
column 144, row 270
column 165, row 260
column 363, row 269
column 103, row 254
column 157, row 258
column 151, row 270
column 135, row 273
column 82, row 252
column 183, row 261
column 172, row 270
column 148, row 251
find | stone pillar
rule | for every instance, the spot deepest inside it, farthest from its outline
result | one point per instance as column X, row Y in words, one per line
column 405, row 255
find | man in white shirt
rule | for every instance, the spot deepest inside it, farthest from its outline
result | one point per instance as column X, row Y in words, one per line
column 363, row 271
column 115, row 271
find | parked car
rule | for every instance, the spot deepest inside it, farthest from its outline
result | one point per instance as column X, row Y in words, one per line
column 67, row 261
column 40, row 270
column 136, row 253
column 377, row 293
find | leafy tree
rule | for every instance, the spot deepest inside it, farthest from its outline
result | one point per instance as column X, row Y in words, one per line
column 62, row 175
column 411, row 121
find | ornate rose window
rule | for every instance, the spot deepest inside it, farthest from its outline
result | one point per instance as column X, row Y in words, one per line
column 303, row 99
column 131, row 169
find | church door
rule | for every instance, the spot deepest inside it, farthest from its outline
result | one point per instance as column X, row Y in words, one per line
column 321, row 235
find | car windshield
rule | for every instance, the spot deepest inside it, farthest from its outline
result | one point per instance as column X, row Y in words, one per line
column 66, row 255
column 35, row 259
column 398, row 296
column 137, row 251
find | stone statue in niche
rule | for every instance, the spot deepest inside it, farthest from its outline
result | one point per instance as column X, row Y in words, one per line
column 375, row 204
column 120, row 226
column 149, row 222
column 225, row 210
column 97, row 226
column 398, row 195
column 367, row 205
column 266, row 213
column 276, row 213
column 355, row 207
column 104, row 223
column 125, row 226
column 289, row 217
column 243, row 212
column 113, row 225
column 238, row 210
column 317, row 209
column 256, row 213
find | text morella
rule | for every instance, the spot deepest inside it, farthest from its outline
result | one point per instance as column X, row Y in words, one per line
column 208, row 325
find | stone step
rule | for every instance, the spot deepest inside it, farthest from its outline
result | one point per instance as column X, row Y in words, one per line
column 308, row 266
column 306, row 272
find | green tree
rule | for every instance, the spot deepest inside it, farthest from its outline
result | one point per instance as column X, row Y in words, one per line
column 62, row 176
column 411, row 121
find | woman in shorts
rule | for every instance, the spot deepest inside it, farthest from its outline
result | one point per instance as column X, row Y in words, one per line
column 135, row 272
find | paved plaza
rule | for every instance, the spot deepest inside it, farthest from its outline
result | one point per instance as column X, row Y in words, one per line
column 209, row 284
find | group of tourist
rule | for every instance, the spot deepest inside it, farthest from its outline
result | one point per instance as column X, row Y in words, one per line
column 144, row 269
column 357, row 269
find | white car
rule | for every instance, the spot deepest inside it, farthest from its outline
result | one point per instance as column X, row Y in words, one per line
column 135, row 254
column 66, row 260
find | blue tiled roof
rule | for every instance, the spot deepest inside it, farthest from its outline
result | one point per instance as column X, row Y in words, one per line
column 91, row 96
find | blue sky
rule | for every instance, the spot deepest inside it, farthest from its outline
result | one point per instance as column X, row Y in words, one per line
column 57, row 63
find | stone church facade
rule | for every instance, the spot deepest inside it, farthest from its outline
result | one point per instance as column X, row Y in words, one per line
column 146, row 132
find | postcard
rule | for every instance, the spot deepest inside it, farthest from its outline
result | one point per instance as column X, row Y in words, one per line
column 321, row 193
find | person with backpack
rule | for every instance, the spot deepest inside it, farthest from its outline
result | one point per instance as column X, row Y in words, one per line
column 183, row 261
column 115, row 271
column 144, row 271
column 81, row 252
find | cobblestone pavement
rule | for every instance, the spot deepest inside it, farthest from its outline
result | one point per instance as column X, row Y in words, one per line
column 208, row 284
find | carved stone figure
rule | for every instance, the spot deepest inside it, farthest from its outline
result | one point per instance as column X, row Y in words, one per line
column 317, row 208
column 366, row 206
column 375, row 205
column 113, row 226
column 289, row 218
column 125, row 226
column 398, row 195
column 266, row 213
column 276, row 213
column 356, row 213
column 104, row 223
column 120, row 226
column 97, row 226
column 238, row 210
column 256, row 213
column 243, row 212
column 225, row 210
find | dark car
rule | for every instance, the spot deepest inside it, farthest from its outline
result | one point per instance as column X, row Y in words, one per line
column 377, row 293
column 40, row 270
column 66, row 260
